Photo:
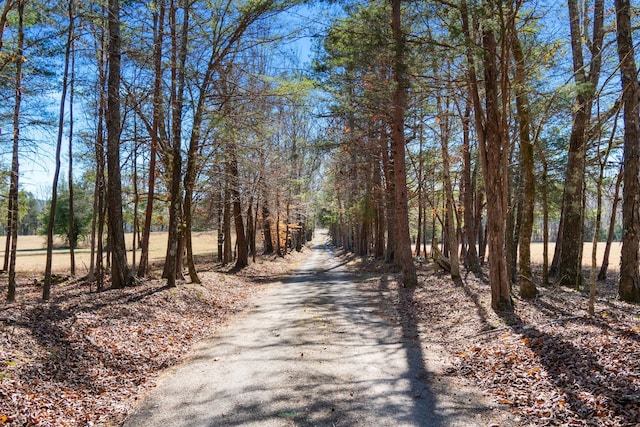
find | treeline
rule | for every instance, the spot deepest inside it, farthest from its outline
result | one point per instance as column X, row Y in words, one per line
column 178, row 114
column 515, row 114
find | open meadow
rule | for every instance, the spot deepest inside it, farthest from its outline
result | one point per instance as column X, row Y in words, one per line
column 32, row 253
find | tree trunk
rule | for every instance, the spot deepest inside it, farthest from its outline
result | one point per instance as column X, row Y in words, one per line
column 404, row 256
column 545, row 225
column 389, row 198
column 227, row 255
column 493, row 147
column 173, row 267
column 570, row 253
column 73, row 236
column 15, row 164
column 242, row 259
column 143, row 268
column 136, row 198
column 471, row 256
column 380, row 214
column 120, row 276
column 46, row 289
column 266, row 219
column 602, row 275
column 629, row 282
column 527, row 286
column 220, row 214
column 99, row 191
column 251, row 231
column 450, row 206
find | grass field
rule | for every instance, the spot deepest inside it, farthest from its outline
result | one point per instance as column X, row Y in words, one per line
column 32, row 254
column 537, row 255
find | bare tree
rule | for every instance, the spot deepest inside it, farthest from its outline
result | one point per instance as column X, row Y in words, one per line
column 15, row 164
column 158, row 38
column 46, row 289
column 120, row 276
column 629, row 282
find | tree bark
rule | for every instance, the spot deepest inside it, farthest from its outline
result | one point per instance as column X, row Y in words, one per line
column 471, row 255
column 227, row 255
column 155, row 137
column 571, row 241
column 266, row 219
column 602, row 275
column 120, row 276
column 450, row 206
column 242, row 259
column 527, row 286
column 46, row 289
column 493, row 147
column 12, row 233
column 173, row 267
column 403, row 240
column 629, row 282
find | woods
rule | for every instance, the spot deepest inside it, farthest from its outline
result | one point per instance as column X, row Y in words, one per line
column 438, row 142
column 444, row 122
column 520, row 134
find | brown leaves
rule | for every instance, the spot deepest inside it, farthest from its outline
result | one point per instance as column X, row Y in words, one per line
column 550, row 362
column 82, row 359
column 576, row 373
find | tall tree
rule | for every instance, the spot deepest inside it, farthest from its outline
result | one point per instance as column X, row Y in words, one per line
column 46, row 289
column 403, row 254
column 15, row 164
column 172, row 267
column 571, row 233
column 629, row 282
column 120, row 276
column 493, row 143
column 158, row 38
column 527, row 285
column 72, row 53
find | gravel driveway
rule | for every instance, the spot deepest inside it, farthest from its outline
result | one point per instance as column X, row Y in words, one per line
column 312, row 351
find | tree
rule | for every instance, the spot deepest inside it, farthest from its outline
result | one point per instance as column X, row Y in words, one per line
column 571, row 234
column 492, row 139
column 120, row 276
column 158, row 37
column 46, row 289
column 629, row 282
column 527, row 285
column 13, row 191
column 82, row 213
column 402, row 238
column 172, row 267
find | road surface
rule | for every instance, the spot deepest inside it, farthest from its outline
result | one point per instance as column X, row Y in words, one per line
column 312, row 352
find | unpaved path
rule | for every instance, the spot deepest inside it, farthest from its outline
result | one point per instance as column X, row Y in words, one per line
column 312, row 351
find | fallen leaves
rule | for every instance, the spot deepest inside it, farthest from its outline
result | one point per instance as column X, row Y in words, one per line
column 549, row 362
column 83, row 358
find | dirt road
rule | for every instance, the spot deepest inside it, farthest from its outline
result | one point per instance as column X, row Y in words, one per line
column 312, row 352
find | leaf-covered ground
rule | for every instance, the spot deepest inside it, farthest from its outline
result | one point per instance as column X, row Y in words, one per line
column 84, row 358
column 550, row 362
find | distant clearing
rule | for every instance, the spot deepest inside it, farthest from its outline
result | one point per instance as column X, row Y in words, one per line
column 32, row 253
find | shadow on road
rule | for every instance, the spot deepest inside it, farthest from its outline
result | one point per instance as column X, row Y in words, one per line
column 313, row 352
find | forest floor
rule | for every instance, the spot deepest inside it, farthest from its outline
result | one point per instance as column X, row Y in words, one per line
column 85, row 358
column 549, row 361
